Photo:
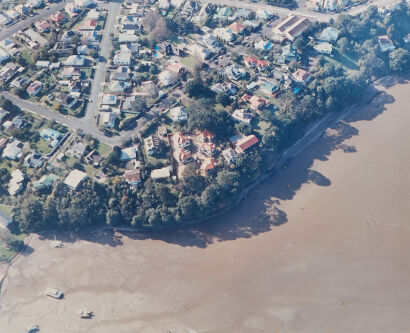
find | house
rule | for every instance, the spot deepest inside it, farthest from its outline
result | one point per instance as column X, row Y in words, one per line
column 127, row 105
column 109, row 99
column 88, row 36
column 122, row 73
column 183, row 156
column 199, row 52
column 67, row 36
column 385, row 44
column 58, row 18
column 34, row 88
column 264, row 14
column 289, row 53
column 269, row 87
column 329, row 34
column 33, row 160
column 242, row 13
column 3, row 114
column 324, row 48
column 71, row 9
column 3, row 55
column 176, row 68
column 133, row 177
column 75, row 179
column 22, row 9
column 252, row 62
column 36, row 38
column 152, row 145
column 93, row 14
column 264, row 45
column 66, row 100
column 71, row 73
column 208, row 149
column 229, row 155
column 229, row 89
column 88, row 25
column 75, row 60
column 127, row 38
column 42, row 26
column 181, row 140
column 108, row 119
column 162, row 131
column 208, row 166
column 162, row 173
column 79, row 149
column 3, row 143
column 16, row 183
column 128, row 154
column 45, row 182
column 8, row 71
column 35, row 3
column 118, row 86
column 224, row 34
column 242, row 116
column 223, row 13
column 82, row 49
column 84, row 3
column 301, row 76
column 13, row 14
column 18, row 82
column 122, row 58
column 150, row 88
column 166, row 78
column 234, row 72
column 130, row 47
column 245, row 143
column 7, row 44
column 258, row 103
column 13, row 150
column 51, row 135
column 18, row 122
column 178, row 114
column 237, row 28
column 292, row 27
column 5, row 20
column 42, row 64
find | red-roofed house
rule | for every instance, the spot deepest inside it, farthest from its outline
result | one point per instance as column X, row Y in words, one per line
column 258, row 102
column 184, row 156
column 208, row 149
column 89, row 25
column 208, row 165
column 302, row 76
column 245, row 143
column 206, row 136
column 252, row 62
column 34, row 88
column 176, row 68
column 182, row 140
column 42, row 26
column 133, row 177
column 237, row 28
column 57, row 18
column 246, row 97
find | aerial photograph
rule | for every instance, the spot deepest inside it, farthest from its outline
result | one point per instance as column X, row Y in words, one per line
column 204, row 166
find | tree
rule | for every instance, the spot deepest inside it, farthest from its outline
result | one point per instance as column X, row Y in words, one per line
column 139, row 105
column 115, row 155
column 399, row 60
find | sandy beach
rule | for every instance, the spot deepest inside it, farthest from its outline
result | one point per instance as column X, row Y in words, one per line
column 322, row 246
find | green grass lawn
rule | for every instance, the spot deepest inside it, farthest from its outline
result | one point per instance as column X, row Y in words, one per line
column 43, row 146
column 5, row 209
column 90, row 170
column 26, row 55
column 103, row 149
column 189, row 62
column 6, row 237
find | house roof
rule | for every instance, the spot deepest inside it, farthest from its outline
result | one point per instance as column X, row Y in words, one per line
column 246, row 142
column 236, row 27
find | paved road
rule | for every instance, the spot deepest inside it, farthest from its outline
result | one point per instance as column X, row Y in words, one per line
column 105, row 47
column 42, row 14
column 304, row 11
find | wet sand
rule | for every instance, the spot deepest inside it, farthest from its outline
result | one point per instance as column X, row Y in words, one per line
column 320, row 247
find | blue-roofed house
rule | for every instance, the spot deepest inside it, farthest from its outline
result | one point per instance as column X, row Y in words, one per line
column 264, row 45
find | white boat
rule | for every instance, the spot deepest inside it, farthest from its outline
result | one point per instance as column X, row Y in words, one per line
column 33, row 329
column 54, row 293
column 85, row 314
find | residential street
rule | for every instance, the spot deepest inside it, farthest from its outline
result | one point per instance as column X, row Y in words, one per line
column 44, row 13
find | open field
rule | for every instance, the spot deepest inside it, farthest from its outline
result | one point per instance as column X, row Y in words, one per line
column 320, row 247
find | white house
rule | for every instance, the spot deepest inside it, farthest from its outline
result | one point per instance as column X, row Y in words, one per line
column 75, row 60
column 3, row 55
column 108, row 119
column 178, row 114
column 122, row 58
column 385, row 43
column 167, row 78
column 324, row 47
column 84, row 3
column 75, row 179
column 13, row 150
column 329, row 34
